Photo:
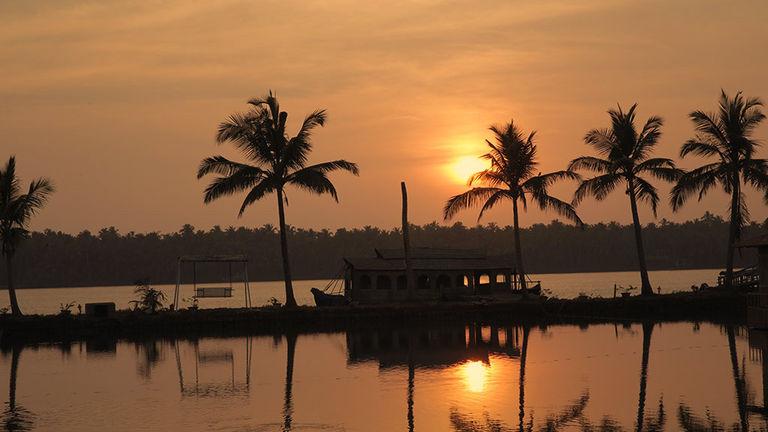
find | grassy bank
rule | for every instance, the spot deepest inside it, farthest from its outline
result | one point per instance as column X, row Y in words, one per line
column 710, row 306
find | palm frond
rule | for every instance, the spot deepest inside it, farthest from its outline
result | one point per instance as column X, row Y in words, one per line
column 468, row 199
column 492, row 201
column 661, row 168
column 590, row 163
column 222, row 166
column 700, row 147
column 230, row 185
column 603, row 140
column 313, row 180
column 699, row 180
column 598, row 187
column 646, row 192
column 257, row 192
column 564, row 209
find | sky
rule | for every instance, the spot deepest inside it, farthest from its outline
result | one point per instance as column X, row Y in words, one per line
column 118, row 101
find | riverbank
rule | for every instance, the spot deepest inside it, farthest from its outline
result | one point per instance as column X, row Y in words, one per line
column 715, row 306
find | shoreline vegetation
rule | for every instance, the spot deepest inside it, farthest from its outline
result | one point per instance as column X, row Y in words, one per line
column 717, row 305
column 111, row 258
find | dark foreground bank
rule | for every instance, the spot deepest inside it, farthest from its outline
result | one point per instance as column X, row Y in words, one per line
column 724, row 307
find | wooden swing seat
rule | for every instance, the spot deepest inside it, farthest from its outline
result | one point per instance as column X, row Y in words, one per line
column 213, row 292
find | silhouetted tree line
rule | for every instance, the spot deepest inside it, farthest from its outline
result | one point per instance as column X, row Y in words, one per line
column 51, row 258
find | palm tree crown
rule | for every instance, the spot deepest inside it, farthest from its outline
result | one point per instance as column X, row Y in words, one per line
column 726, row 136
column 16, row 210
column 625, row 157
column 511, row 177
column 275, row 160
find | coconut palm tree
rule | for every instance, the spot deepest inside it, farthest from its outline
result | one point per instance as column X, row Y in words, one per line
column 16, row 210
column 624, row 158
column 274, row 161
column 725, row 136
column 511, row 177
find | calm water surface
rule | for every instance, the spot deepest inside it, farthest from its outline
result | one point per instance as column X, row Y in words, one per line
column 456, row 377
column 563, row 285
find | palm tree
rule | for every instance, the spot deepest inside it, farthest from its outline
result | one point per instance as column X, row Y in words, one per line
column 16, row 209
column 511, row 177
column 625, row 157
column 726, row 136
column 275, row 161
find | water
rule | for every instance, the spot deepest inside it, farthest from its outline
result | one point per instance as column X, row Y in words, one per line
column 456, row 377
column 563, row 285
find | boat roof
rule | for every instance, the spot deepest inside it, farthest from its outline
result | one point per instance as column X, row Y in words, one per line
column 430, row 259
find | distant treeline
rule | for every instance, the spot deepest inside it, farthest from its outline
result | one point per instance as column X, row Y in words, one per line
column 54, row 259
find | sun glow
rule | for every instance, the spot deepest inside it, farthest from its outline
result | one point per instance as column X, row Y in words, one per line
column 475, row 375
column 464, row 166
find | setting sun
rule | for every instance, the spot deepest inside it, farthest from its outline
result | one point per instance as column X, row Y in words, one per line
column 463, row 167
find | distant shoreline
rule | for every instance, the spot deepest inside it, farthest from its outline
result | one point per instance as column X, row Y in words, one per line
column 4, row 288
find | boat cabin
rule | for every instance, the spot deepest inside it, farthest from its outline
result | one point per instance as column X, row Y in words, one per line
column 438, row 274
column 757, row 302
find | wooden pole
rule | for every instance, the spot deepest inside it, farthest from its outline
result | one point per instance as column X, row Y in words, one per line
column 409, row 279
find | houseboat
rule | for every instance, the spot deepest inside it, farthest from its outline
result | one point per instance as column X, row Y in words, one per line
column 437, row 273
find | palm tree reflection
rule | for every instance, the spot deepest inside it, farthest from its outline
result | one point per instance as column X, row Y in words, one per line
column 290, row 339
column 15, row 417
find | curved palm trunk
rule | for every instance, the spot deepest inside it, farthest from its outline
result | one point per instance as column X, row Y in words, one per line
column 15, row 309
column 523, row 358
column 741, row 397
column 647, row 332
column 290, row 342
column 733, row 232
column 290, row 300
column 519, row 250
column 646, row 288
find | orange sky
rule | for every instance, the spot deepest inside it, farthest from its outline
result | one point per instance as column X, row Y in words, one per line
column 119, row 101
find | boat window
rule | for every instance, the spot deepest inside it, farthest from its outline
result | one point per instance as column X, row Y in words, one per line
column 365, row 282
column 501, row 278
column 383, row 282
column 423, row 282
column 484, row 278
column 402, row 282
column 443, row 281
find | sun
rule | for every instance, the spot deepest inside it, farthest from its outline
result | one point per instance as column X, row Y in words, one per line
column 464, row 166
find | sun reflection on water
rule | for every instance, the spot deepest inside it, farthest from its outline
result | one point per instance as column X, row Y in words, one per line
column 475, row 375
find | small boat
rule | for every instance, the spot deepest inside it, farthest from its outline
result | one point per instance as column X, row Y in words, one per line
column 325, row 299
column 535, row 290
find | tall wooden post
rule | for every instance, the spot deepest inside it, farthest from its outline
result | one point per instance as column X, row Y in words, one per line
column 409, row 279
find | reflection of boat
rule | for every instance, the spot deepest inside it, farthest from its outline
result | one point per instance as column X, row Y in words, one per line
column 432, row 347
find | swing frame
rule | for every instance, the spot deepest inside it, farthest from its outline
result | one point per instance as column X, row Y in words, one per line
column 200, row 292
